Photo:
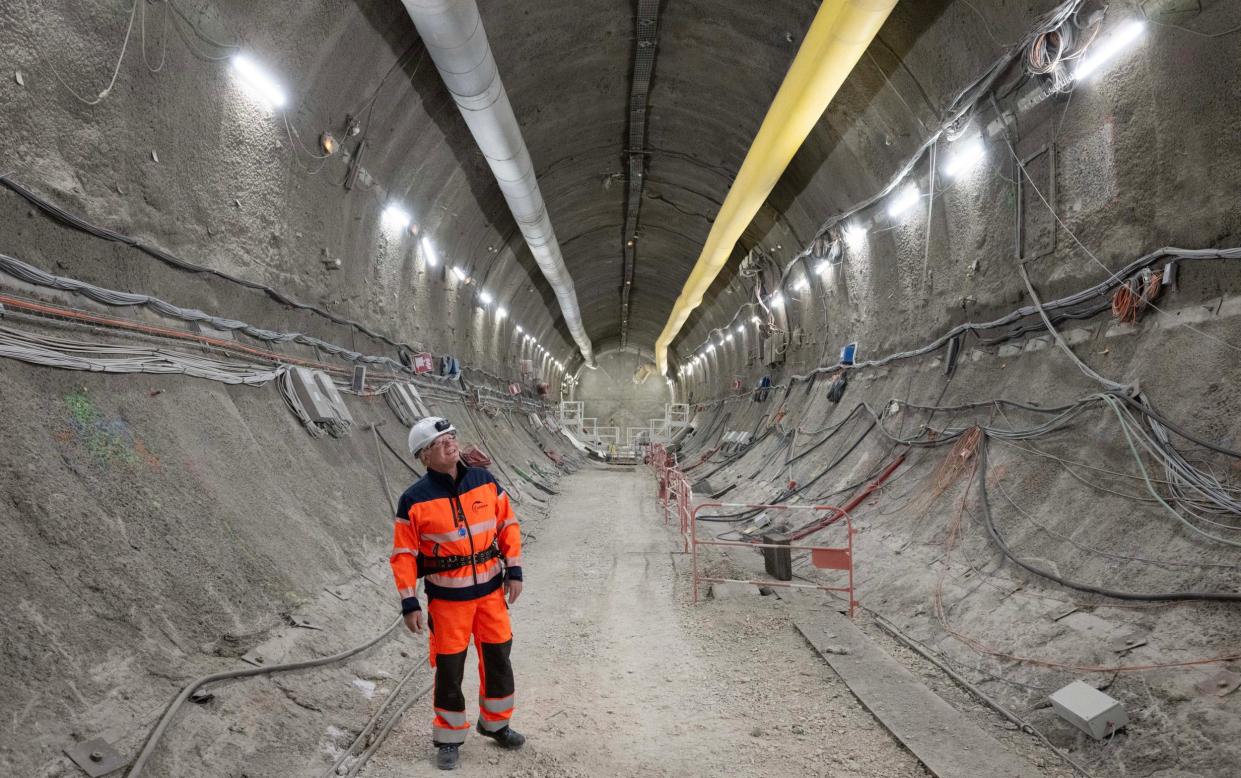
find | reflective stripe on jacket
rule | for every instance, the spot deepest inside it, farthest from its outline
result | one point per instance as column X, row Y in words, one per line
column 443, row 516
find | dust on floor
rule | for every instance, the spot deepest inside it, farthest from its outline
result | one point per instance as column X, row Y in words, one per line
column 619, row 675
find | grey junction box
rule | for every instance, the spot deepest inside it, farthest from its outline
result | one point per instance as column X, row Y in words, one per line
column 1089, row 709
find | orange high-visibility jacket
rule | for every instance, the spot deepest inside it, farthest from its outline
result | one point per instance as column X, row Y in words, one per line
column 440, row 516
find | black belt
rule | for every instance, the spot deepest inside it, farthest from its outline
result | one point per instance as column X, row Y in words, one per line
column 442, row 564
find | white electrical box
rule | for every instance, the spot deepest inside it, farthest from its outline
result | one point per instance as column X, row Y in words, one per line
column 398, row 401
column 334, row 397
column 406, row 403
column 1089, row 709
column 311, row 396
column 774, row 348
column 319, row 396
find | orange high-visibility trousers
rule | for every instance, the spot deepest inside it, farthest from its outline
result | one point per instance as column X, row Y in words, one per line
column 451, row 624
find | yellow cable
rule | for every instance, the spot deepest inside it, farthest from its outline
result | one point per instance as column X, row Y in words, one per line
column 839, row 35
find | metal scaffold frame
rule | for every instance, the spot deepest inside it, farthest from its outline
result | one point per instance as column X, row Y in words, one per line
column 822, row 557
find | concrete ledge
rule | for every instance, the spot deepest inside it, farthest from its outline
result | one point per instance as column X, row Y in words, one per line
column 947, row 743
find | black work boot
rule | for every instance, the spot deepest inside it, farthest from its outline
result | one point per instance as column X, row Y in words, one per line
column 507, row 738
column 447, row 757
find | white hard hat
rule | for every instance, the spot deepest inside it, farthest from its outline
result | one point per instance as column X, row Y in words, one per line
column 425, row 431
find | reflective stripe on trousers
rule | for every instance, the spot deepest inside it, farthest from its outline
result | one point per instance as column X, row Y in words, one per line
column 452, row 624
column 449, row 727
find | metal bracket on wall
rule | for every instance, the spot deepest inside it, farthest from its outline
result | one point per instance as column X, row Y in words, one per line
column 96, row 757
column 954, row 351
column 1022, row 232
column 355, row 166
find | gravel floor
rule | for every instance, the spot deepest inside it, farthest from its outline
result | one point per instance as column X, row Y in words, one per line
column 618, row 674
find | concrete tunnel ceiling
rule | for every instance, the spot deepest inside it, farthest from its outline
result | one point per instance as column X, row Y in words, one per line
column 568, row 70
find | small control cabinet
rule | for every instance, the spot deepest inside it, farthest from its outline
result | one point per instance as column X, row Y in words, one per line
column 1089, row 709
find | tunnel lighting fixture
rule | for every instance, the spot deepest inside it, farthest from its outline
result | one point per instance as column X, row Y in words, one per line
column 823, row 267
column 429, row 250
column 756, row 320
column 501, row 312
column 966, row 154
column 484, row 297
column 729, row 338
column 458, row 272
column 776, row 300
column 904, row 201
column 855, row 234
column 802, row 284
column 394, row 217
column 1128, row 33
column 258, row 82
column 711, row 348
column 519, row 329
column 740, row 329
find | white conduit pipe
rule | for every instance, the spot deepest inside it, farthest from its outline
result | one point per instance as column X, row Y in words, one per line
column 454, row 36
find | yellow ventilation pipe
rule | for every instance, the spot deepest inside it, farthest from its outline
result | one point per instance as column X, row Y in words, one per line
column 839, row 35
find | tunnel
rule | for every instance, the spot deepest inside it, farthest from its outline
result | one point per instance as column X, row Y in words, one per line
column 787, row 388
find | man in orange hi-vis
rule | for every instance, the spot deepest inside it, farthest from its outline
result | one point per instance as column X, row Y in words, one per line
column 456, row 527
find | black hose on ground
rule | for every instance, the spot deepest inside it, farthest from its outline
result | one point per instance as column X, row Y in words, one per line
column 364, row 735
column 153, row 739
column 1002, row 545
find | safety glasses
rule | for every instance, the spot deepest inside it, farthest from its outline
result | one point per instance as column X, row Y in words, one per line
column 442, row 439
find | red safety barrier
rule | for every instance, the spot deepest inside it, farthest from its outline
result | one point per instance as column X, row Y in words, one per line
column 822, row 557
column 675, row 490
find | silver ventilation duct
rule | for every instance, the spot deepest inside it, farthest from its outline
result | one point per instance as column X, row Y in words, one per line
column 453, row 33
